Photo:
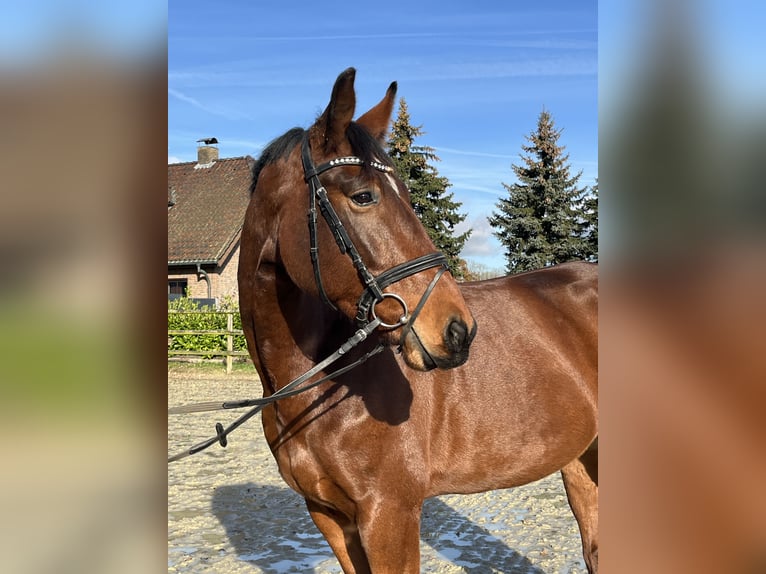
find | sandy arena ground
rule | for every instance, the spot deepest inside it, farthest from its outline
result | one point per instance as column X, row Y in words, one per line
column 230, row 512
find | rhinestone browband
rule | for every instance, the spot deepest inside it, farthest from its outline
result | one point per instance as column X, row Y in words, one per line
column 353, row 160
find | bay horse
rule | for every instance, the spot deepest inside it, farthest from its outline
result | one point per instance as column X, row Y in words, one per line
column 479, row 386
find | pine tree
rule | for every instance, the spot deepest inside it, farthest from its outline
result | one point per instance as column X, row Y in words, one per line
column 541, row 221
column 428, row 190
column 589, row 225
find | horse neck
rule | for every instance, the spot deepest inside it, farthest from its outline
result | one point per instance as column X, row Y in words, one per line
column 294, row 330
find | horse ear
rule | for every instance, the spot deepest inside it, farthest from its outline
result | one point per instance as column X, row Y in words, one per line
column 340, row 111
column 376, row 120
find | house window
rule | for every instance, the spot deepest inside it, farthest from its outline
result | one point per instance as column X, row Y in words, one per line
column 177, row 288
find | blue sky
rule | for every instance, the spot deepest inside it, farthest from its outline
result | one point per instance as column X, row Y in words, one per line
column 474, row 75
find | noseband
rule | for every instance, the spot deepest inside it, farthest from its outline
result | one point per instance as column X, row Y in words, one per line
column 373, row 286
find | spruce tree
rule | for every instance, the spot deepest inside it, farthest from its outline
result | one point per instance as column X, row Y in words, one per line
column 428, row 190
column 540, row 222
column 589, row 225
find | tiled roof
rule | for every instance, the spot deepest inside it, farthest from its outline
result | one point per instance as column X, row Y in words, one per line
column 206, row 219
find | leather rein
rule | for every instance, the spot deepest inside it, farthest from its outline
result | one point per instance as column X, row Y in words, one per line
column 366, row 318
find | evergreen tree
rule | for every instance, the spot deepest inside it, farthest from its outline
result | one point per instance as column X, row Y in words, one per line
column 589, row 225
column 541, row 222
column 428, row 190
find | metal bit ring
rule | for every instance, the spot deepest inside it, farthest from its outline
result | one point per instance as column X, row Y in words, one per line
column 402, row 320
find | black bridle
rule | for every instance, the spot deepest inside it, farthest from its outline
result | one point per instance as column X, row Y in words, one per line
column 366, row 317
column 373, row 286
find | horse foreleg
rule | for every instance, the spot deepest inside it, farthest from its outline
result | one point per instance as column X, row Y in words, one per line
column 390, row 533
column 581, row 483
column 343, row 537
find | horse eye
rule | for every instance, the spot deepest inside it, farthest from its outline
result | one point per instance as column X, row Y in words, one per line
column 363, row 198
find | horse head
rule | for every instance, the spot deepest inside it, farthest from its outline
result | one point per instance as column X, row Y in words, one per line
column 371, row 256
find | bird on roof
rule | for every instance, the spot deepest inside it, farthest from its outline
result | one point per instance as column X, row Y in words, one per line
column 208, row 141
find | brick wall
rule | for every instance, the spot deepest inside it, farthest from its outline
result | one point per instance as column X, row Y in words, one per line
column 223, row 280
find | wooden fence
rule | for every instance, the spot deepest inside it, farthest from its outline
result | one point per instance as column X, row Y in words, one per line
column 230, row 332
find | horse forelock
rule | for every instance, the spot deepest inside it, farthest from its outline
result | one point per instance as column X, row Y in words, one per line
column 366, row 147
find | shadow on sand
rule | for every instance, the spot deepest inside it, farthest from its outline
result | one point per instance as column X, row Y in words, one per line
column 270, row 527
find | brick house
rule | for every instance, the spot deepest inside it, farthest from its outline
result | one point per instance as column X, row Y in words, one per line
column 207, row 200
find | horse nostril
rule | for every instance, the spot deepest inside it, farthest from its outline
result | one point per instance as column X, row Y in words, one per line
column 457, row 335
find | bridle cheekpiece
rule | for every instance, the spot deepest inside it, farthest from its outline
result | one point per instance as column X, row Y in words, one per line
column 373, row 286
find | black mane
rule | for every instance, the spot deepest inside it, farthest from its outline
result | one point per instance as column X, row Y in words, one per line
column 276, row 150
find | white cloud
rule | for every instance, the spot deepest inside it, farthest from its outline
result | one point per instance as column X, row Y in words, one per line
column 474, row 153
column 189, row 100
column 481, row 243
column 217, row 111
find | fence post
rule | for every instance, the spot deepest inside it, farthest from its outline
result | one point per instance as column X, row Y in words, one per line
column 229, row 340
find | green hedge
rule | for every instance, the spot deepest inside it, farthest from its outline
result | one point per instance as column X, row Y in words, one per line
column 183, row 313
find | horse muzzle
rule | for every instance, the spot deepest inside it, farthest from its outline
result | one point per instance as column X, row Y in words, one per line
column 450, row 350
